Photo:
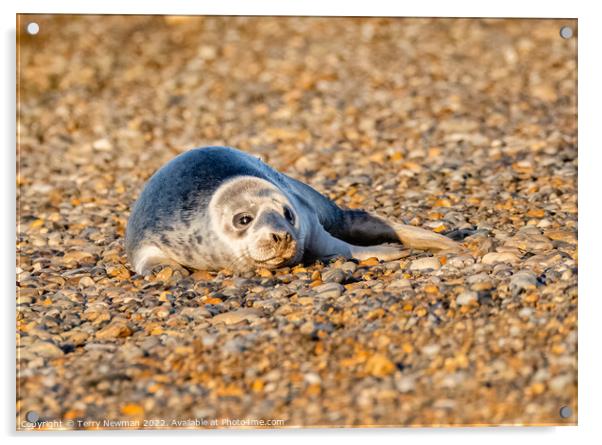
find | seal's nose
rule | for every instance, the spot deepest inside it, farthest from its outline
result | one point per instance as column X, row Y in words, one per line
column 282, row 237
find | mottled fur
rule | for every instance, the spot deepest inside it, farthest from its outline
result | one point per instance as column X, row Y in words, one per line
column 184, row 216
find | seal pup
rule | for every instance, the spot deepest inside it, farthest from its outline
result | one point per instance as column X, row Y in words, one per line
column 218, row 207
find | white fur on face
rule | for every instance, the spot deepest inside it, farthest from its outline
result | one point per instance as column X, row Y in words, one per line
column 253, row 246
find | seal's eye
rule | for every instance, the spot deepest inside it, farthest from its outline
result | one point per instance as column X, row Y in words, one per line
column 241, row 220
column 289, row 215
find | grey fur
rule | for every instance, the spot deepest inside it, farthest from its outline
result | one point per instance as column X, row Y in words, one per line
column 171, row 221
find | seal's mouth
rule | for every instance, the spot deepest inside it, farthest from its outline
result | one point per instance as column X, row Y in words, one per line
column 275, row 261
column 278, row 258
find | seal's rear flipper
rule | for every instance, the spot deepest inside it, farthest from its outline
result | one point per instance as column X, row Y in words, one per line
column 361, row 227
column 422, row 239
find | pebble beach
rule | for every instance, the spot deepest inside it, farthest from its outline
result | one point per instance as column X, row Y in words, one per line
column 447, row 124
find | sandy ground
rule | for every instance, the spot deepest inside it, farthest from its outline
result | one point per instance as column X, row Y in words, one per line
column 444, row 124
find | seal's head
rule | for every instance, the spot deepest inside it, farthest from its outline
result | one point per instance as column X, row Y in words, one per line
column 258, row 222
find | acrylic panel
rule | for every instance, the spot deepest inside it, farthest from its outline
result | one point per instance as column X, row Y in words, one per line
column 403, row 253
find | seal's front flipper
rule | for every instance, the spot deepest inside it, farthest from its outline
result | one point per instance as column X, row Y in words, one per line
column 145, row 258
column 324, row 246
column 381, row 252
column 361, row 227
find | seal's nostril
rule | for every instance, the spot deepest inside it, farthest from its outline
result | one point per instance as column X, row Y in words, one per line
column 281, row 237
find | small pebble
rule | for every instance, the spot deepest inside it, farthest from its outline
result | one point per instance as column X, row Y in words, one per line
column 329, row 290
column 114, row 330
column 333, row 275
column 45, row 349
column 500, row 257
column 467, row 298
column 237, row 316
column 522, row 280
column 425, row 264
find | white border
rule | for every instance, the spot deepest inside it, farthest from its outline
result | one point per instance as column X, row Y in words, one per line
column 590, row 223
